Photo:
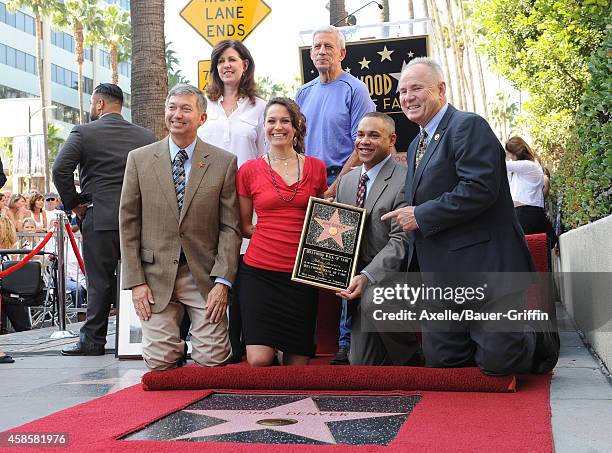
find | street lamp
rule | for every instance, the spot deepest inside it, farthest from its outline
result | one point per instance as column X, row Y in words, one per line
column 31, row 114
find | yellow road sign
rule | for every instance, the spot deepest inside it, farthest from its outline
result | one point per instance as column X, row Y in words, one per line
column 203, row 73
column 217, row 20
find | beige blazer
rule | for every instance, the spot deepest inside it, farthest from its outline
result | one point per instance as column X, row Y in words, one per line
column 152, row 230
column 383, row 244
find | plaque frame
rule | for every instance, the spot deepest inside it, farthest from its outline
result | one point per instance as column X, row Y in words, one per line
column 298, row 275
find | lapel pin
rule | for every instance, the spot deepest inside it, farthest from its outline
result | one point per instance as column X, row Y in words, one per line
column 436, row 137
column 201, row 164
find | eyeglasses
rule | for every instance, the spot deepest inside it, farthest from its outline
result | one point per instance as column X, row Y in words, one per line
column 49, row 199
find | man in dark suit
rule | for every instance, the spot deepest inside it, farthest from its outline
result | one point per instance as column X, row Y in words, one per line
column 378, row 186
column 460, row 218
column 100, row 150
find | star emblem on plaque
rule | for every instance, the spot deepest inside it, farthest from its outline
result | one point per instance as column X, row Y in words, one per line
column 329, row 246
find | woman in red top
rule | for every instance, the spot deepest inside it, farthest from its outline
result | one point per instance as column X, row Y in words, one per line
column 278, row 314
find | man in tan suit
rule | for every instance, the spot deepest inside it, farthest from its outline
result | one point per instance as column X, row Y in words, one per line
column 180, row 237
column 377, row 185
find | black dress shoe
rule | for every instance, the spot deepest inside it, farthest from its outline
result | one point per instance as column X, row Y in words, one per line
column 546, row 352
column 79, row 349
column 341, row 357
column 6, row 359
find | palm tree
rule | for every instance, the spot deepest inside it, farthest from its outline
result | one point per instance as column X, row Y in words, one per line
column 84, row 19
column 384, row 17
column 458, row 66
column 410, row 15
column 336, row 12
column 174, row 74
column 115, row 36
column 40, row 8
column 149, row 72
column 439, row 37
column 467, row 44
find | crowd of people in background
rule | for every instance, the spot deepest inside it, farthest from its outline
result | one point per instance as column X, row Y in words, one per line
column 28, row 207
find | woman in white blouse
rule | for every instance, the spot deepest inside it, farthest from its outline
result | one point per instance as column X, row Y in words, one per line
column 235, row 113
column 235, row 117
column 526, row 179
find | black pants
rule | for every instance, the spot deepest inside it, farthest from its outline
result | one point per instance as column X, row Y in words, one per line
column 455, row 344
column 18, row 315
column 101, row 254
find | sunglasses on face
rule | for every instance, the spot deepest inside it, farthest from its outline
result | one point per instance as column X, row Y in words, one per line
column 49, row 199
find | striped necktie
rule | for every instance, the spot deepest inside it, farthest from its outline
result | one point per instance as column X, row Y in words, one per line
column 421, row 147
column 178, row 175
column 361, row 190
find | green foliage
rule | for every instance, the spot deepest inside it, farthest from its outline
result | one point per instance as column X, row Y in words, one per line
column 54, row 141
column 503, row 114
column 74, row 13
column 543, row 46
column 553, row 50
column 269, row 88
column 175, row 75
column 6, row 152
column 584, row 176
column 38, row 7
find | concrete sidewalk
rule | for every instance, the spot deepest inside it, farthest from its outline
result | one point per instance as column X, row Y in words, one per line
column 41, row 382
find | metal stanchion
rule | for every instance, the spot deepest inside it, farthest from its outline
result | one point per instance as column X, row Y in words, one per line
column 61, row 280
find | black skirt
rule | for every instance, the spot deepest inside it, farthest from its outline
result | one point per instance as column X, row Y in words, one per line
column 533, row 220
column 277, row 312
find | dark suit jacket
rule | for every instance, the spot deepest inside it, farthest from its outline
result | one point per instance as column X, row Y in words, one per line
column 463, row 205
column 100, row 150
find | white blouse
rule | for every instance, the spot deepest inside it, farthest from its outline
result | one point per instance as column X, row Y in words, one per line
column 242, row 133
column 526, row 179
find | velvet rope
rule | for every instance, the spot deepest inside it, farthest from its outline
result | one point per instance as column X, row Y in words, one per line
column 75, row 248
column 29, row 256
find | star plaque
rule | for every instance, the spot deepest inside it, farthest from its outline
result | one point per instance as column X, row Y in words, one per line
column 329, row 246
column 277, row 419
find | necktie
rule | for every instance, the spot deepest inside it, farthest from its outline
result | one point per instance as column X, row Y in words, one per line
column 361, row 190
column 421, row 147
column 178, row 175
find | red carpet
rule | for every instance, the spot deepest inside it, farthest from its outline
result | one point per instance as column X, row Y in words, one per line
column 453, row 421
column 325, row 377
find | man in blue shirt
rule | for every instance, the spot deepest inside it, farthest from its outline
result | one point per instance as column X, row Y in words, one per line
column 334, row 103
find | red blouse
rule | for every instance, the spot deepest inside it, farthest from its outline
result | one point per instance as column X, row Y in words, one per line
column 279, row 223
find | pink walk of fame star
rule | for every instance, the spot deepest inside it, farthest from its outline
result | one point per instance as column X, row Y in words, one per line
column 311, row 422
column 332, row 228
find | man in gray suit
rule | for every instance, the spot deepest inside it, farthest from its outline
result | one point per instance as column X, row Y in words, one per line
column 378, row 186
column 100, row 150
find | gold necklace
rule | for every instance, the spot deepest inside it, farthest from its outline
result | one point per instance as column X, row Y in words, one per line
column 284, row 161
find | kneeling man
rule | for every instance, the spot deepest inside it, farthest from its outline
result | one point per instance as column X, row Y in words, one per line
column 180, row 240
column 378, row 186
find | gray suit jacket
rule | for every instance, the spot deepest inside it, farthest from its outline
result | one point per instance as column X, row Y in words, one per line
column 383, row 244
column 152, row 230
column 100, row 150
